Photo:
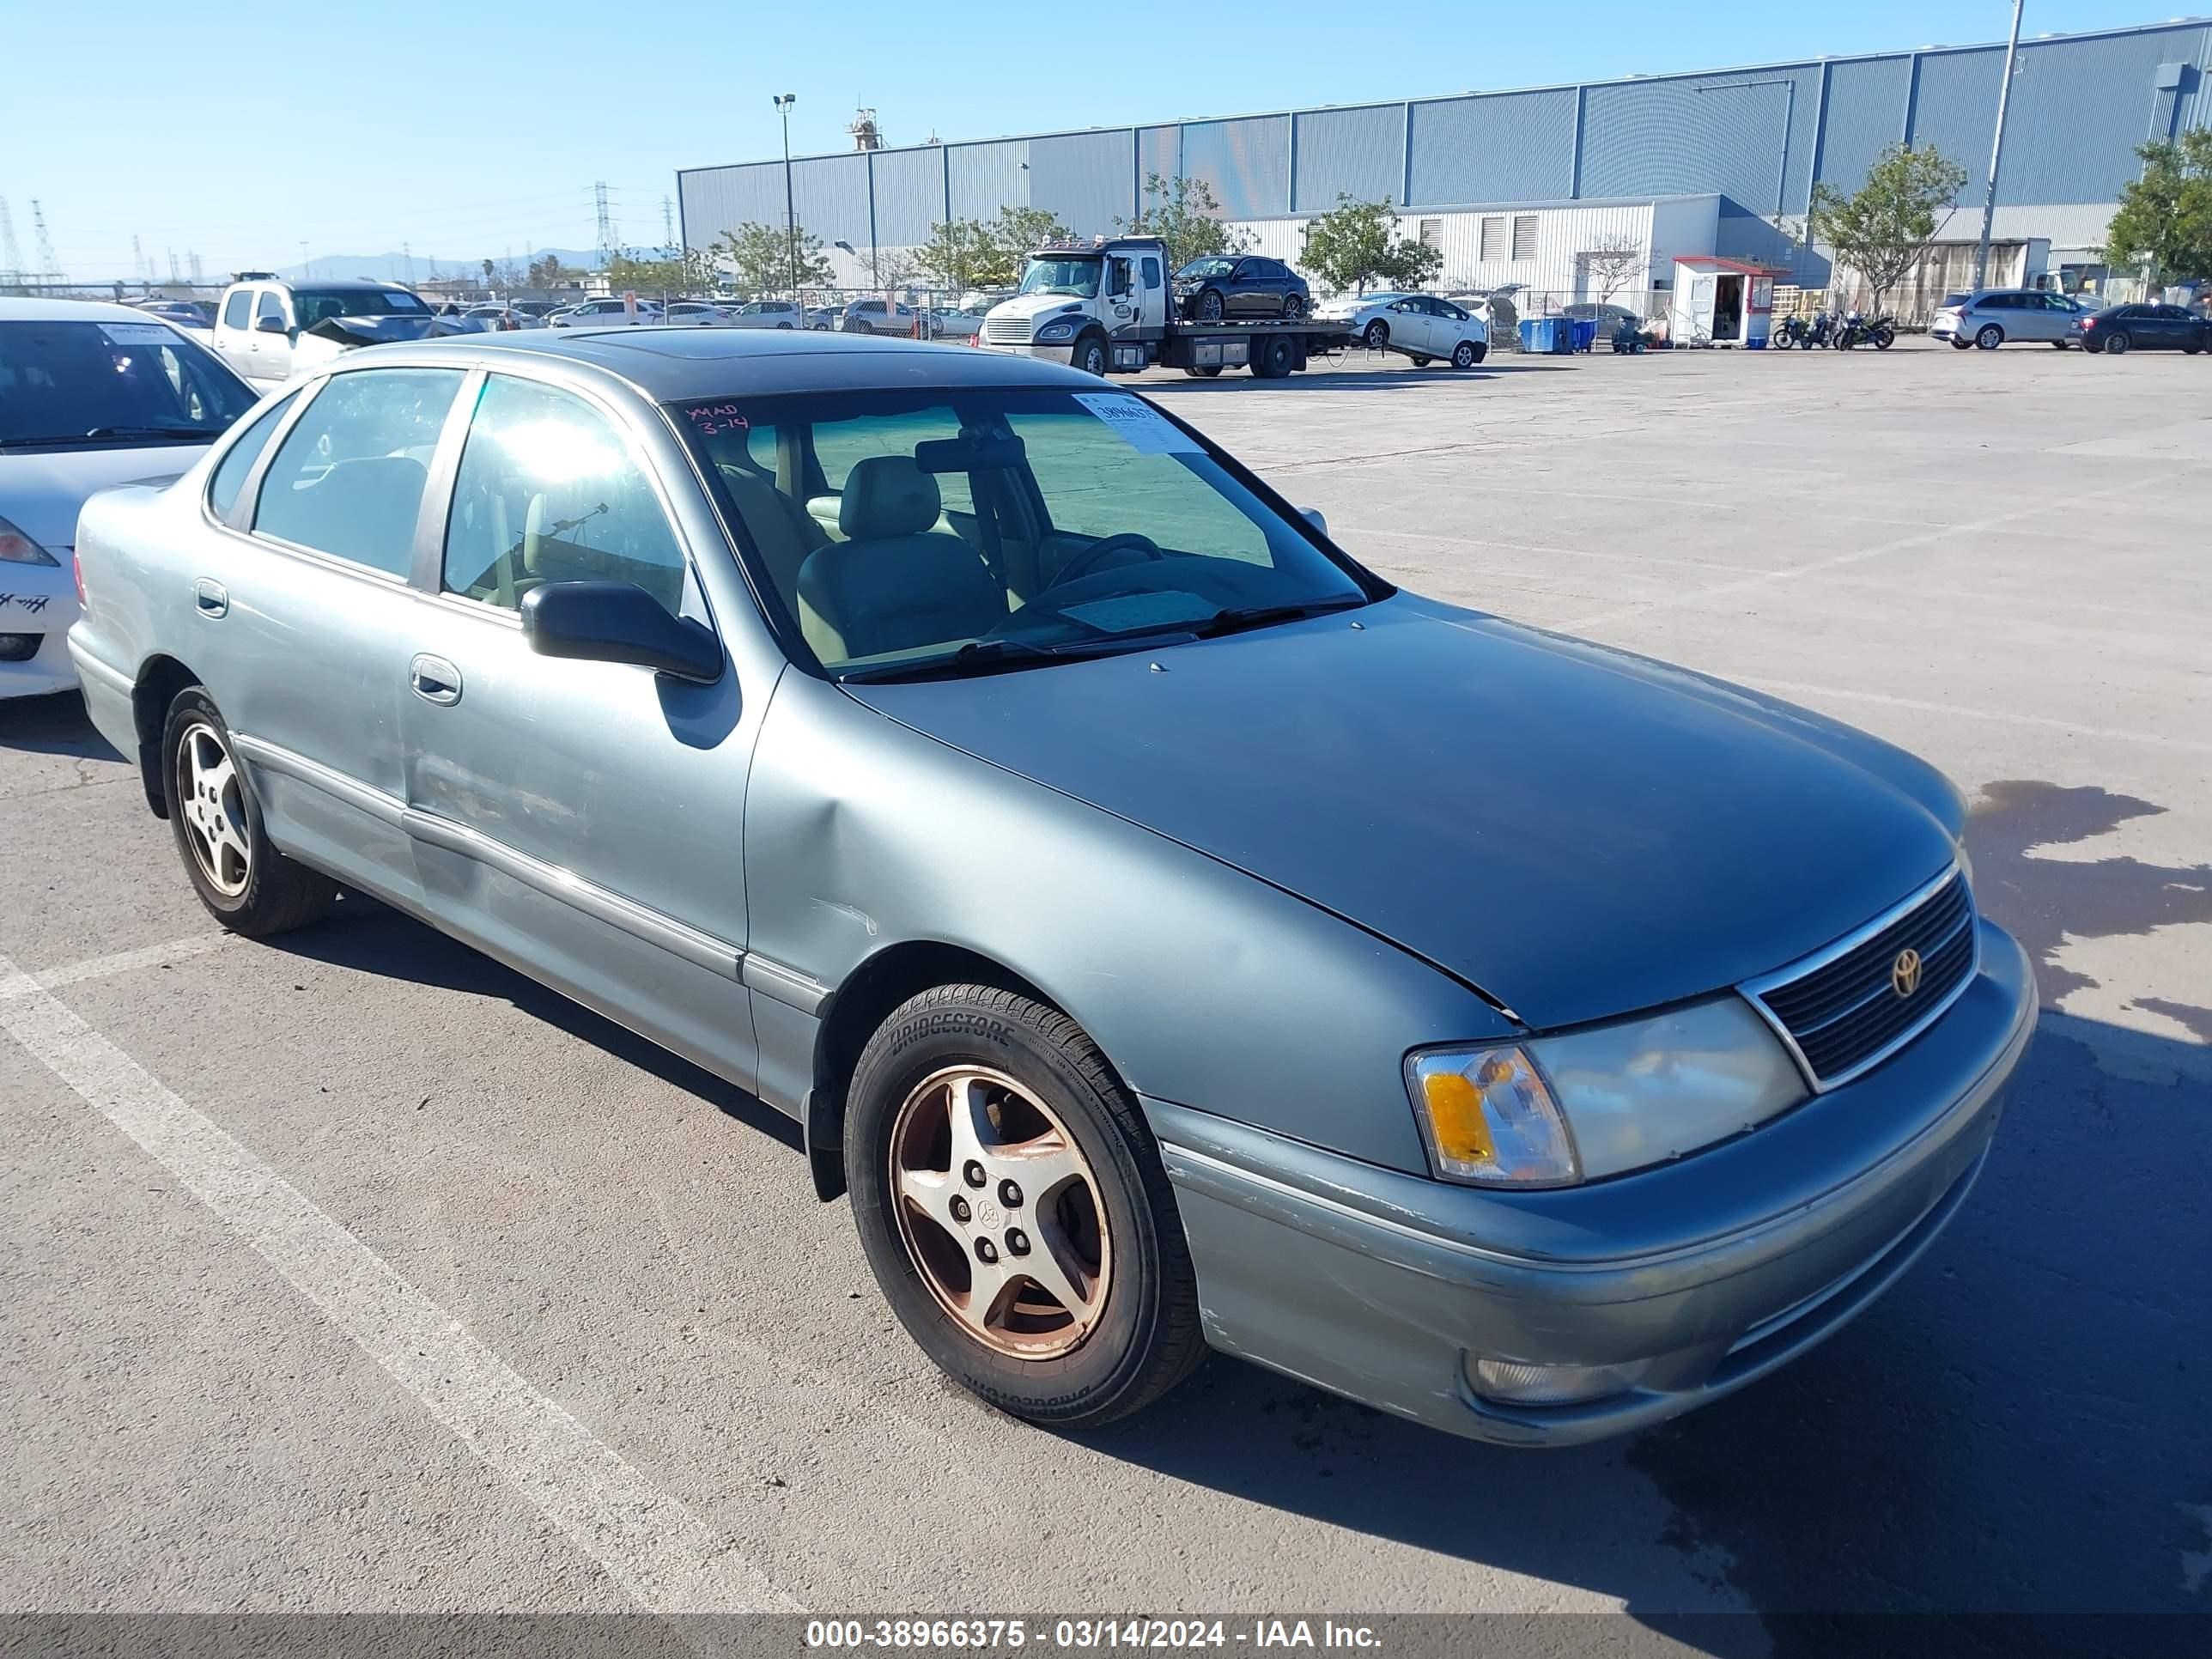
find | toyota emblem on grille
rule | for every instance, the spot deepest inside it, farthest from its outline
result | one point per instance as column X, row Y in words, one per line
column 1905, row 973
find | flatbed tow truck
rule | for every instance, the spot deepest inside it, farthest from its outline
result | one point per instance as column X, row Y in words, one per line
column 1107, row 305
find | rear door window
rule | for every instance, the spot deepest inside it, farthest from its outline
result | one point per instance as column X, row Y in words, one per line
column 348, row 479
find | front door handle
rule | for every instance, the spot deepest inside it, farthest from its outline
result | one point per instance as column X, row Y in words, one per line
column 209, row 597
column 434, row 679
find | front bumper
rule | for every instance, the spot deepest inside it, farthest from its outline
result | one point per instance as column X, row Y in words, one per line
column 40, row 602
column 1063, row 353
column 1714, row 1270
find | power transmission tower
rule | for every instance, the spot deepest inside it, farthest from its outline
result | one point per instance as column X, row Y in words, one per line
column 407, row 263
column 606, row 224
column 48, row 272
column 192, row 264
column 172, row 267
column 11, row 257
column 667, row 225
column 138, row 266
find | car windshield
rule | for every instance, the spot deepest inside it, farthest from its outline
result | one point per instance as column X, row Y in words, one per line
column 312, row 305
column 110, row 382
column 916, row 534
column 1060, row 275
column 1198, row 268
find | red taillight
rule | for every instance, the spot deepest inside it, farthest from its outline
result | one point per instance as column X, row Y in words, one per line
column 76, row 570
column 2088, row 322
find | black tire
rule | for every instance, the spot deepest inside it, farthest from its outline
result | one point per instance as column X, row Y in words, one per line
column 1378, row 336
column 1989, row 337
column 1210, row 307
column 276, row 893
column 1273, row 358
column 1958, row 344
column 2062, row 344
column 1482, row 350
column 783, row 325
column 1090, row 355
column 1147, row 1338
column 2193, row 349
column 1204, row 371
column 1465, row 355
column 1781, row 341
column 2117, row 342
column 1294, row 306
column 1883, row 338
column 1420, row 359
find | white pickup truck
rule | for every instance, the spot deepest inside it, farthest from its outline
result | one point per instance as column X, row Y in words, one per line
column 265, row 326
column 1107, row 306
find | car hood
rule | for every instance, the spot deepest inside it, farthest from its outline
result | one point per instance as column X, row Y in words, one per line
column 1035, row 305
column 42, row 489
column 1575, row 831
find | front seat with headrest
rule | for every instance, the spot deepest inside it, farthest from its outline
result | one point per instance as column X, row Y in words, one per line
column 892, row 585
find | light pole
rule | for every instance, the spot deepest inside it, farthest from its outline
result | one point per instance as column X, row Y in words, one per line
column 1788, row 85
column 1997, row 150
column 784, row 100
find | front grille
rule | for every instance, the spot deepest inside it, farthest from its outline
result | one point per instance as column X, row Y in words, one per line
column 1845, row 1012
column 1006, row 331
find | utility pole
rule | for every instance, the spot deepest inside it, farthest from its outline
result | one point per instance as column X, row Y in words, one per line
column 1996, row 151
column 138, row 266
column 48, row 271
column 407, row 263
column 784, row 100
column 606, row 224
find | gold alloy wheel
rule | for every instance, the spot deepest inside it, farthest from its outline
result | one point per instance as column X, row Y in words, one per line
column 214, row 811
column 998, row 1209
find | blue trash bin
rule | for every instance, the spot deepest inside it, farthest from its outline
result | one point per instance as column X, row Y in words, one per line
column 1546, row 335
column 1585, row 333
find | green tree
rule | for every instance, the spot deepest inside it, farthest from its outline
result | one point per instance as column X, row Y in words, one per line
column 1016, row 234
column 548, row 272
column 2164, row 216
column 1184, row 215
column 761, row 255
column 1882, row 229
column 688, row 272
column 1356, row 243
column 962, row 254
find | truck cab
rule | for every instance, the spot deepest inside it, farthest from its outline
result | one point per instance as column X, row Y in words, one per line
column 1080, row 300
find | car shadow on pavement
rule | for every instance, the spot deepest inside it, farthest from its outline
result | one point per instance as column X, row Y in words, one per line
column 2017, row 1427
column 1359, row 379
column 55, row 724
column 380, row 940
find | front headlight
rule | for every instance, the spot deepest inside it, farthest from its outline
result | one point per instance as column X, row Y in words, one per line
column 1556, row 1110
column 17, row 548
column 1641, row 1091
column 1053, row 331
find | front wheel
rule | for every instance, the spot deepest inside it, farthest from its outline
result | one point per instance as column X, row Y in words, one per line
column 1210, row 307
column 1420, row 359
column 1090, row 355
column 1015, row 1211
column 1958, row 344
column 1377, row 336
column 1465, row 356
column 247, row 884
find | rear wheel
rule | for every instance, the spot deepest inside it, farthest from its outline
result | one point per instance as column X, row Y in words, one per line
column 1782, row 341
column 1420, row 359
column 247, row 884
column 1294, row 305
column 1464, row 354
column 1960, row 345
column 1204, row 371
column 2117, row 342
column 1883, row 338
column 1015, row 1211
column 1991, row 337
column 1273, row 358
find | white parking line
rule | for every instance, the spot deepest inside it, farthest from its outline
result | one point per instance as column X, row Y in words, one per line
column 123, row 962
column 661, row 1554
column 2004, row 716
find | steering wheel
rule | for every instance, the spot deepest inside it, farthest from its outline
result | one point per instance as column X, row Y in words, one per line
column 1090, row 555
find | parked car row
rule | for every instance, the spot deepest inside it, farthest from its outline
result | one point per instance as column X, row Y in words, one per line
column 1990, row 317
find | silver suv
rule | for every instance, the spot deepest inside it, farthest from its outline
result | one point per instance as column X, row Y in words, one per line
column 1988, row 317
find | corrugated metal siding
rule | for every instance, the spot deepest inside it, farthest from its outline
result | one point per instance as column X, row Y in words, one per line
column 2077, row 111
column 830, row 196
column 1159, row 154
column 719, row 199
column 1866, row 114
column 909, row 194
column 1667, row 138
column 1354, row 152
column 988, row 176
column 1957, row 111
column 1246, row 162
column 1088, row 178
column 1507, row 147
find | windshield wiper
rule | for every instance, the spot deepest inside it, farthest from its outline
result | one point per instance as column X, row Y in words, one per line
column 991, row 656
column 156, row 432
column 1237, row 618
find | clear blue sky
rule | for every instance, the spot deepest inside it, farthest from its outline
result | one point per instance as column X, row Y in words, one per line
column 244, row 132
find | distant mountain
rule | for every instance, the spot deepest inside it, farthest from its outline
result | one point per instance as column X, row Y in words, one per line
column 395, row 266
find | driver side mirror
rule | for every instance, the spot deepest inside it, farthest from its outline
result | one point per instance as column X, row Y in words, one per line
column 618, row 622
column 270, row 325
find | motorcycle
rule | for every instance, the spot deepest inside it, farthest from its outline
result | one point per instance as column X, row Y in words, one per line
column 1792, row 331
column 1880, row 332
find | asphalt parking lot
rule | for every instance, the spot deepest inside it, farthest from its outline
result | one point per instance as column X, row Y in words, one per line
column 353, row 1271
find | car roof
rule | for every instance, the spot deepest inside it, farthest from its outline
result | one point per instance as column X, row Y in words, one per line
column 675, row 365
column 67, row 311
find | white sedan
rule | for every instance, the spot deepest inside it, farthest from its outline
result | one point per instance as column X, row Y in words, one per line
column 91, row 396
column 1421, row 326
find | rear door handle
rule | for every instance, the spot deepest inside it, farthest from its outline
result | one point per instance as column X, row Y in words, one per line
column 209, row 597
column 434, row 679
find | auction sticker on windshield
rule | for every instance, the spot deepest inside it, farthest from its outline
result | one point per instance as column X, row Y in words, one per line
column 1139, row 423
column 138, row 333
